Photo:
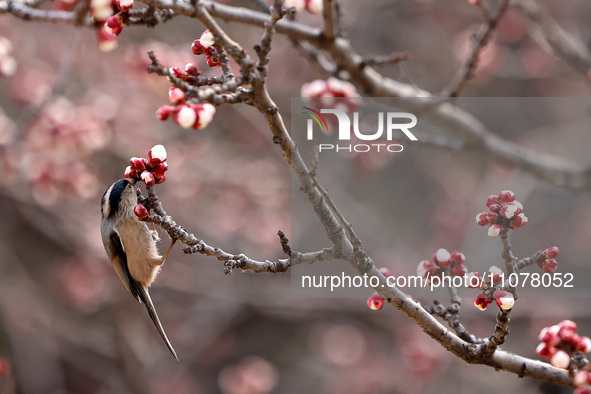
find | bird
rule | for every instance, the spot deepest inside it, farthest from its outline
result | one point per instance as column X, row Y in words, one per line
column 131, row 246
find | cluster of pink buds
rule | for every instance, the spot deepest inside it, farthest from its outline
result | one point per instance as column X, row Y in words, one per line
column 559, row 342
column 504, row 299
column 443, row 262
column 189, row 74
column 7, row 62
column 110, row 16
column 550, row 264
column 504, row 212
column 376, row 301
column 186, row 115
column 332, row 93
column 205, row 46
column 311, row 6
column 151, row 170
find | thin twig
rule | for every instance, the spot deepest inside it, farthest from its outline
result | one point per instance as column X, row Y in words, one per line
column 552, row 37
column 284, row 243
column 385, row 60
column 195, row 245
column 330, row 30
column 480, row 40
column 264, row 47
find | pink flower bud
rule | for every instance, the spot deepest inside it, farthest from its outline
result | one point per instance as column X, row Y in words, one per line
column 385, row 271
column 107, row 42
column 568, row 325
column 141, row 212
column 473, row 2
column 185, row 117
column 519, row 221
column 211, row 62
column 375, row 302
column 101, row 10
column 138, row 163
column 161, row 179
column 549, row 335
column 481, row 219
column 495, row 207
column 574, row 340
column 494, row 230
column 580, row 377
column 114, row 25
column 458, row 257
column 504, row 299
column 157, row 154
column 130, row 173
column 159, row 169
column 509, row 210
column 543, row 332
column 205, row 113
column 560, row 359
column 442, row 257
column 506, row 196
column 314, row 7
column 551, row 252
column 584, row 345
column 316, row 88
column 148, row 178
column 545, row 351
column 481, row 302
column 124, row 5
column 8, row 66
column 549, row 265
column 198, row 49
column 165, row 112
column 175, row 95
column 492, row 200
column 494, row 274
column 191, row 69
column 207, row 39
column 459, row 270
column 177, row 73
column 474, row 280
column 492, row 217
column 426, row 269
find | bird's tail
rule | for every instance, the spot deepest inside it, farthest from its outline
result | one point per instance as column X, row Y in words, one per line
column 154, row 316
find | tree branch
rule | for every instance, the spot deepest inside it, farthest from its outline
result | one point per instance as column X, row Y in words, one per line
column 28, row 13
column 480, row 40
column 552, row 37
column 457, row 122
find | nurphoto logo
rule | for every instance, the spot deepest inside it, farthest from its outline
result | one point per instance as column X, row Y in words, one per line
column 391, row 125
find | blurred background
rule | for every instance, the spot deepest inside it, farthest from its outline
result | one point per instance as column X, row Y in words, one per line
column 72, row 116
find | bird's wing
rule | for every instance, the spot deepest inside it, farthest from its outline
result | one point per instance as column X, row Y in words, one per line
column 135, row 288
column 120, row 264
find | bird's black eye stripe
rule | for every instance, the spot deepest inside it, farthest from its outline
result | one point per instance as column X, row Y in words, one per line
column 115, row 196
